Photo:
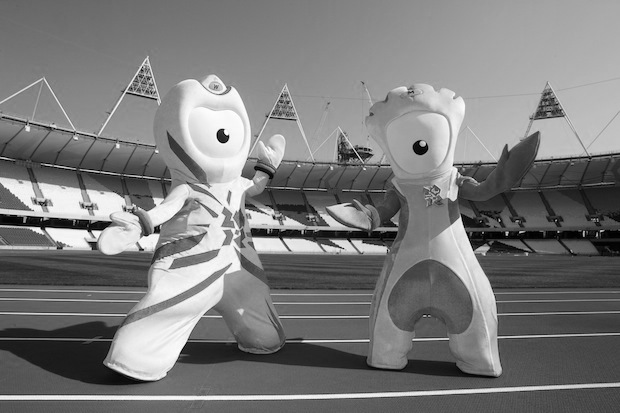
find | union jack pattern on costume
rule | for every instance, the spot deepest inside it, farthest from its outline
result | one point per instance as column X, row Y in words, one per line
column 205, row 258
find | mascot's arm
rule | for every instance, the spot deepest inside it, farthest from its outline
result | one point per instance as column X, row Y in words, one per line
column 269, row 158
column 366, row 217
column 511, row 167
column 127, row 228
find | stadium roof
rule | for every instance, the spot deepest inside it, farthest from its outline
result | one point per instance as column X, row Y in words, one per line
column 52, row 145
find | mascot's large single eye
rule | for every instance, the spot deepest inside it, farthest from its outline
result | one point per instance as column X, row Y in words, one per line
column 420, row 147
column 216, row 133
column 223, row 136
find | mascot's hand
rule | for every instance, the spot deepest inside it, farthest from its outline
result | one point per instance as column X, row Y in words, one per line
column 270, row 155
column 355, row 215
column 124, row 231
column 511, row 167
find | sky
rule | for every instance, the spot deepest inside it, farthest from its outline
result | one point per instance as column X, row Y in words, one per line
column 498, row 55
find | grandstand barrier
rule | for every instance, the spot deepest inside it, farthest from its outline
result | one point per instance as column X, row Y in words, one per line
column 581, row 247
column 547, row 246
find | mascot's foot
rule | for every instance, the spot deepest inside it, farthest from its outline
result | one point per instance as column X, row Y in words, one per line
column 385, row 365
column 489, row 372
column 254, row 350
column 131, row 374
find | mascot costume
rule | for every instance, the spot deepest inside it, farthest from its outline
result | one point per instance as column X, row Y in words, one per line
column 431, row 268
column 205, row 257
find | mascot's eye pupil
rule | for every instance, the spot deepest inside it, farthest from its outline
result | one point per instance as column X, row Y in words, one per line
column 222, row 136
column 420, row 147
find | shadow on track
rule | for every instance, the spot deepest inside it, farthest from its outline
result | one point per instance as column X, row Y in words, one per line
column 76, row 360
column 308, row 355
column 82, row 360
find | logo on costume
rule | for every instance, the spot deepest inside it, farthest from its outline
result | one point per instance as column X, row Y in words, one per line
column 431, row 195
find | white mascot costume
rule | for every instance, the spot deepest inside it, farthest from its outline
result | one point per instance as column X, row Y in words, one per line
column 205, row 257
column 431, row 268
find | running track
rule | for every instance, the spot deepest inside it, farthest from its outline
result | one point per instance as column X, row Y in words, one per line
column 560, row 351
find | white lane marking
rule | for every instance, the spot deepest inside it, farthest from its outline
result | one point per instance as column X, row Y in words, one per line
column 90, row 300
column 66, row 300
column 315, row 396
column 143, row 291
column 335, row 293
column 315, row 341
column 294, row 317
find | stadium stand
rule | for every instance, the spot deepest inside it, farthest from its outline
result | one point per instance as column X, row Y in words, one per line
column 528, row 205
column 57, row 190
column 269, row 245
column 568, row 204
column 606, row 204
column 15, row 178
column 302, row 245
column 10, row 201
column 580, row 247
column 139, row 192
column 318, row 201
column 292, row 206
column 260, row 211
column 377, row 199
column 68, row 238
column 25, row 237
column 370, row 246
column 345, row 245
column 496, row 211
column 547, row 246
column 104, row 200
column 61, row 188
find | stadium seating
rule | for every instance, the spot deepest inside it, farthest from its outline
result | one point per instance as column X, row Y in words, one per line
column 68, row 238
column 318, row 201
column 9, row 201
column 581, row 247
column 25, row 237
column 605, row 201
column 15, row 178
column 105, row 192
column 302, row 245
column 139, row 192
column 292, row 205
column 497, row 212
column 529, row 205
column 377, row 199
column 62, row 188
column 370, row 246
column 260, row 211
column 547, row 246
column 268, row 245
column 329, row 246
column 293, row 210
column 569, row 205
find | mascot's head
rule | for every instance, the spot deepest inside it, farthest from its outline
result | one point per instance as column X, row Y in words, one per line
column 417, row 128
column 203, row 132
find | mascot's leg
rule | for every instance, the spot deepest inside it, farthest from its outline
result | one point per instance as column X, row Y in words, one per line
column 150, row 339
column 247, row 308
column 390, row 343
column 476, row 349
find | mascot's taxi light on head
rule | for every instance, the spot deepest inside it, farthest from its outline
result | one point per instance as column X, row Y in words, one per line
column 205, row 257
column 431, row 268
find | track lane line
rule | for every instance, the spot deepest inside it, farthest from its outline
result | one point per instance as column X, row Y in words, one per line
column 117, row 301
column 295, row 317
column 312, row 340
column 310, row 396
column 335, row 293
